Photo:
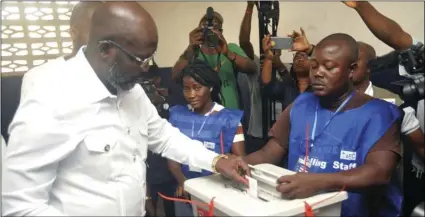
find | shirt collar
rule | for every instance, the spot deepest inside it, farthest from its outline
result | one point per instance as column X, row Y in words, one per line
column 369, row 89
column 88, row 81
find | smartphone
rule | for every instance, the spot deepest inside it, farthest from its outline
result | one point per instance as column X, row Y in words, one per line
column 281, row 43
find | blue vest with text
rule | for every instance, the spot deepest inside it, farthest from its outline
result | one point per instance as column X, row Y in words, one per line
column 342, row 145
column 206, row 129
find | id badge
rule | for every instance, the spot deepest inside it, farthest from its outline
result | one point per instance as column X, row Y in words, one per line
column 209, row 145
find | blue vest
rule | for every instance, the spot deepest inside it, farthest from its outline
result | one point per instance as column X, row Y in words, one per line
column 206, row 129
column 342, row 145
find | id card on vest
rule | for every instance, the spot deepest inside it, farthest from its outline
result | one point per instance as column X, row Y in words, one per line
column 210, row 145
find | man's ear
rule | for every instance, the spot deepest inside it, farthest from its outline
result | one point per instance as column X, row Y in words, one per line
column 73, row 32
column 353, row 68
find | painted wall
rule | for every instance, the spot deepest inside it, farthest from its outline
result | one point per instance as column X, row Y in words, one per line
column 176, row 19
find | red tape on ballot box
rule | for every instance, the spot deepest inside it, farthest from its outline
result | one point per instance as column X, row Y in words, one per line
column 200, row 210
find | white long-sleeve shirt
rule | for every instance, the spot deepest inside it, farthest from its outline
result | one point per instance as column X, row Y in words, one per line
column 75, row 149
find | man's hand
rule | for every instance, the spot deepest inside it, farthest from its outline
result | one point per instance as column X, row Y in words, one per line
column 196, row 37
column 267, row 46
column 300, row 185
column 222, row 46
column 234, row 168
column 300, row 42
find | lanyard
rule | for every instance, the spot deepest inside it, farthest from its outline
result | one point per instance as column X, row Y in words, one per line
column 313, row 133
column 218, row 66
column 203, row 123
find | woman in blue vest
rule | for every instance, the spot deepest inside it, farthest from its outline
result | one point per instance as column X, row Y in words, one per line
column 204, row 119
column 337, row 138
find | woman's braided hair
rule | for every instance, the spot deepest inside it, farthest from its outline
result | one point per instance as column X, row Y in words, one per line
column 202, row 73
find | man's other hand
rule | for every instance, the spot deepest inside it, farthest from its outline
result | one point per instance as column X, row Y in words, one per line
column 300, row 185
column 222, row 48
column 196, row 37
column 234, row 168
column 300, row 42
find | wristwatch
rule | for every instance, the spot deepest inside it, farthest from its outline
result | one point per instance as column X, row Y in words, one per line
column 215, row 160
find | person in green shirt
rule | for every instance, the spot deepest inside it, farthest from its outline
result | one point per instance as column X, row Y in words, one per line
column 226, row 59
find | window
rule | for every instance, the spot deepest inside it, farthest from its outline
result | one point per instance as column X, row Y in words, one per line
column 33, row 32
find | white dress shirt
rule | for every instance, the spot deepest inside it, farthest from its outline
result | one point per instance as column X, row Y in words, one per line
column 75, row 149
column 27, row 79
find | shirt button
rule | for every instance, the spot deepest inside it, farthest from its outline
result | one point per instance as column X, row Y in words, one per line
column 128, row 130
column 107, row 148
column 134, row 157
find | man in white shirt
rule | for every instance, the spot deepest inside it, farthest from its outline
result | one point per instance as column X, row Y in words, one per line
column 410, row 125
column 79, row 140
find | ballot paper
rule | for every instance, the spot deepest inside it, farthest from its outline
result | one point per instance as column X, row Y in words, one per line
column 253, row 187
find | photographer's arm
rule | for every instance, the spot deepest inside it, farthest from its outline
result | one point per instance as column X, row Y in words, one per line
column 182, row 62
column 240, row 59
column 245, row 32
column 385, row 29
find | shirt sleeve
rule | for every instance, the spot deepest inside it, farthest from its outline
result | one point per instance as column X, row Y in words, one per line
column 410, row 123
column 390, row 141
column 36, row 145
column 172, row 144
column 281, row 129
column 236, row 49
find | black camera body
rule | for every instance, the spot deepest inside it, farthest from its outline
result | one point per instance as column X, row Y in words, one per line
column 210, row 38
column 410, row 88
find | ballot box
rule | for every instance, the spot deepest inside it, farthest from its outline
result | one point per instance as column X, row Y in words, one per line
column 261, row 199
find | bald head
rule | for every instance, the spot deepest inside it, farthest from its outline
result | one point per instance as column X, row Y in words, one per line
column 345, row 43
column 367, row 49
column 123, row 39
column 123, row 22
column 361, row 75
column 80, row 22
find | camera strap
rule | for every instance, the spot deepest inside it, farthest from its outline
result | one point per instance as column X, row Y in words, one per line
column 218, row 64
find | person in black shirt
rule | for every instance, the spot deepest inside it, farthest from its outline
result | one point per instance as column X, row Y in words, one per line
column 159, row 178
column 287, row 85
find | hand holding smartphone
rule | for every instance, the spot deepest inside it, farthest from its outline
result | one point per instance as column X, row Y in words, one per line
column 281, row 43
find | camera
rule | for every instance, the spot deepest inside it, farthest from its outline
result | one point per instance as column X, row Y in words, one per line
column 413, row 62
column 210, row 38
column 410, row 87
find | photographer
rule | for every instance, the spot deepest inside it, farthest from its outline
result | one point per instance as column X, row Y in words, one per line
column 393, row 35
column 226, row 59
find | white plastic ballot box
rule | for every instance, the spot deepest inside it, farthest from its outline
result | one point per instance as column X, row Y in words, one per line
column 233, row 200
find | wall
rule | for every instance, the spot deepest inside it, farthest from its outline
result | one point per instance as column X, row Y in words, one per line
column 176, row 19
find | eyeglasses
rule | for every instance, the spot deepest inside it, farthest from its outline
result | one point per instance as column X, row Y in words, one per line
column 141, row 62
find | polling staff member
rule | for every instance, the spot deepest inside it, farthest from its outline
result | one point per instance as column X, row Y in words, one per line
column 352, row 141
column 204, row 119
column 81, row 150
